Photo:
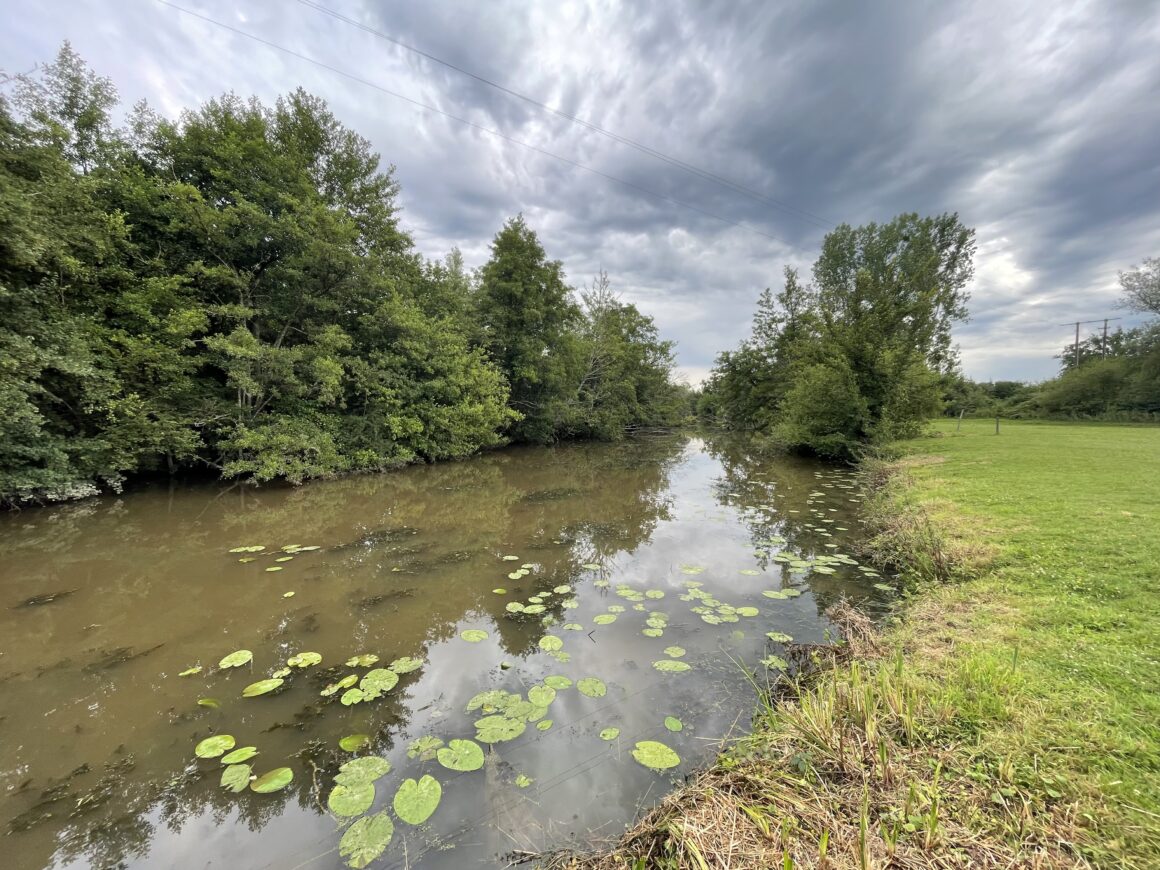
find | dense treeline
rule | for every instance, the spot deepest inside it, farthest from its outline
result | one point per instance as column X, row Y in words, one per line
column 233, row 291
column 861, row 353
column 1108, row 377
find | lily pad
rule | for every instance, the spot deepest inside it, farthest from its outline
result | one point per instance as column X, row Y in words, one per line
column 750, row 572
column 675, row 652
column 499, row 590
column 360, row 770
column 654, row 593
column 609, row 733
column 747, row 611
column 590, row 566
column 189, row 672
column 616, row 608
column 592, row 687
column 673, row 723
column 415, row 801
column 543, row 724
column 243, row 753
column 237, row 659
column 236, row 777
column 655, row 756
column 541, row 696
column 551, row 643
column 773, row 593
column 573, row 626
column 514, row 607
column 497, row 729
column 669, row 666
column 792, row 593
column 304, row 660
column 352, row 696
column 261, row 687
column 523, row 780
column 424, row 747
column 652, row 632
column 775, row 663
column 515, row 575
column 692, row 569
column 562, row 590
column 378, row 681
column 510, row 558
column 214, row 746
column 289, row 594
column 534, row 608
column 405, row 665
column 212, row 703
column 351, row 800
column 281, row 673
column 366, row 840
column 364, row 660
column 604, row 618
column 461, row 755
column 274, row 568
column 557, row 682
column 778, row 636
column 274, row 780
column 354, row 742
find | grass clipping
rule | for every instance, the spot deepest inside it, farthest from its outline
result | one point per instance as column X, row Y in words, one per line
column 848, row 766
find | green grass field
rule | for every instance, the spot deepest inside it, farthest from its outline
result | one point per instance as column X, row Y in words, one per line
column 1056, row 646
column 1008, row 716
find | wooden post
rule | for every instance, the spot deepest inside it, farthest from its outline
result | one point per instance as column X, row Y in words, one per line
column 996, row 424
column 1104, row 348
column 960, row 423
column 1076, row 349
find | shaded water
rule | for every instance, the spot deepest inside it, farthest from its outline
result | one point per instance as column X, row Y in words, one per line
column 104, row 603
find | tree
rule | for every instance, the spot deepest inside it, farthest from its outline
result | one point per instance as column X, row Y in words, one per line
column 527, row 317
column 1141, row 285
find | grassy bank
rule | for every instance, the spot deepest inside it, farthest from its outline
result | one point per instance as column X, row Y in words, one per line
column 1011, row 715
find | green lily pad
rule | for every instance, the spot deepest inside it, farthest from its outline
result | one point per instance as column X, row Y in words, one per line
column 461, row 755
column 573, row 626
column 551, row 643
column 692, row 569
column 494, row 699
column 237, row 659
column 543, row 724
column 354, row 742
column 212, row 703
column 515, row 575
column 652, row 632
column 257, row 548
column 289, row 594
column 792, row 593
column 377, row 681
column 363, row 660
column 669, row 666
column 673, row 723
column 541, row 696
column 274, row 780
column 284, row 559
column 510, row 558
column 750, row 572
column 778, row 636
column 616, row 608
column 675, row 652
column 499, row 590
column 274, row 568
column 562, row 590
column 592, row 687
column 747, row 611
column 366, row 840
column 590, row 566
column 534, row 608
column 351, row 800
column 497, row 729
column 609, row 733
column 773, row 593
column 352, row 696
column 604, row 618
column 514, row 607
column 261, row 687
column 557, row 682
column 523, row 780
column 236, row 777
column 189, row 672
column 360, row 770
column 405, row 665
column 775, row 663
column 214, row 746
column 244, row 753
column 424, row 747
column 304, row 660
column 415, row 801
column 655, row 756
column 654, row 593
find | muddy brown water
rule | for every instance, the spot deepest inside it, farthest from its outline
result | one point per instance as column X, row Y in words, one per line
column 103, row 604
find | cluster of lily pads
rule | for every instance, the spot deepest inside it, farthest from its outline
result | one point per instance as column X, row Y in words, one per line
column 282, row 554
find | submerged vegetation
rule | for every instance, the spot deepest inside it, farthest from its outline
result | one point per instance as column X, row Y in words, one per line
column 233, row 291
column 1007, row 719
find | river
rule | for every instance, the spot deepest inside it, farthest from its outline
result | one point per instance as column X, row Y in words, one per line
column 572, row 562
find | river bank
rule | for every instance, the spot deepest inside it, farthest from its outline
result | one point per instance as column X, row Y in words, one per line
column 1007, row 717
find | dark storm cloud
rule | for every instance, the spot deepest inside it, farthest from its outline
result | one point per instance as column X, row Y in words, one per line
column 1037, row 122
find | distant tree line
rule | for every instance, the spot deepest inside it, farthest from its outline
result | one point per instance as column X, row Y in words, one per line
column 1114, row 377
column 859, row 354
column 233, row 291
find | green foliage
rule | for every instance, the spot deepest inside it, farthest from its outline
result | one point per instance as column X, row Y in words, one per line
column 859, row 355
column 232, row 290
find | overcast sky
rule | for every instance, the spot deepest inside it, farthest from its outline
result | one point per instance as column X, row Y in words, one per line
column 1038, row 122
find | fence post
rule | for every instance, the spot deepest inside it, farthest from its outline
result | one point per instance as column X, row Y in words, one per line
column 996, row 424
column 960, row 423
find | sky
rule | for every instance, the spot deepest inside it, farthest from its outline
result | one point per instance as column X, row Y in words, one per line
column 1038, row 122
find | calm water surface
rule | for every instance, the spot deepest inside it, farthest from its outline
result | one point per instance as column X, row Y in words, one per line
column 104, row 603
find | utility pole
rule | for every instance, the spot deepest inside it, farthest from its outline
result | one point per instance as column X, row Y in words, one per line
column 1104, row 346
column 1078, row 323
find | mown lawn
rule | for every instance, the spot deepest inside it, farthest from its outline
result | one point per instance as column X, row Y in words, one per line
column 1053, row 653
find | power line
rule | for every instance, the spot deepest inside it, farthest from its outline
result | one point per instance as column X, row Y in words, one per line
column 802, row 214
column 472, row 124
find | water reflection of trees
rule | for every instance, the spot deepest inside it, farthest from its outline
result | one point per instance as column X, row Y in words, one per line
column 774, row 497
column 406, row 558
